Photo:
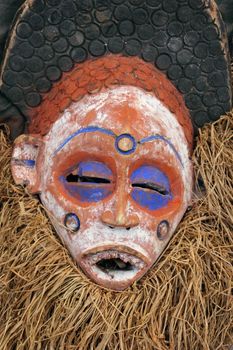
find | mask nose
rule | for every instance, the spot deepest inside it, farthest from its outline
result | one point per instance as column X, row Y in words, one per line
column 120, row 220
column 120, row 216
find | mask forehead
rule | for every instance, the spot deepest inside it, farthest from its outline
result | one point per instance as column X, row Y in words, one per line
column 119, row 110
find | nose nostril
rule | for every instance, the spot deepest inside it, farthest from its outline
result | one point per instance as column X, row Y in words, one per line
column 111, row 227
column 128, row 228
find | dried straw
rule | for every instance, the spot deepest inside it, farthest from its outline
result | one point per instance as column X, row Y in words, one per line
column 183, row 303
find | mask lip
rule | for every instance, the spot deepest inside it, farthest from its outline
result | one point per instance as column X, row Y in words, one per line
column 101, row 267
column 138, row 252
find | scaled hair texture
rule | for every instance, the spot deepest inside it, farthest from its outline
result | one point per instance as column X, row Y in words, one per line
column 183, row 303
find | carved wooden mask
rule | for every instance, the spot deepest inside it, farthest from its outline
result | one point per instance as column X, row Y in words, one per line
column 107, row 92
column 115, row 177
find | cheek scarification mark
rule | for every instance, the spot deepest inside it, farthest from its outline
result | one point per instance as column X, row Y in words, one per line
column 163, row 230
column 72, row 222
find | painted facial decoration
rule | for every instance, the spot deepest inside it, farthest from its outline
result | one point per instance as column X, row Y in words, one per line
column 115, row 177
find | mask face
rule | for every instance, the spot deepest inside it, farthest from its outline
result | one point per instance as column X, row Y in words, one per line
column 115, row 177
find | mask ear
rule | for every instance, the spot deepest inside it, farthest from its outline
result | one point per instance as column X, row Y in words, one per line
column 25, row 161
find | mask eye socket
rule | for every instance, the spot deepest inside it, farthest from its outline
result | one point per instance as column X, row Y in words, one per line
column 151, row 187
column 89, row 181
column 75, row 178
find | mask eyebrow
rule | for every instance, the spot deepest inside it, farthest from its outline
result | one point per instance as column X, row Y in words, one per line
column 162, row 138
column 88, row 129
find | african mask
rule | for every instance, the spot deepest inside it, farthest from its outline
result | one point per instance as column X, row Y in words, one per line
column 109, row 148
column 115, row 191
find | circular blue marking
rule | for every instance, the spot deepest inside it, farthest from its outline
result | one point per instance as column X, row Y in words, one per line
column 129, row 137
column 71, row 219
column 163, row 230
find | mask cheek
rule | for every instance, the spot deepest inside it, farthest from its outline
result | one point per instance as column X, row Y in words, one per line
column 55, row 210
column 67, row 217
column 167, row 224
column 66, row 223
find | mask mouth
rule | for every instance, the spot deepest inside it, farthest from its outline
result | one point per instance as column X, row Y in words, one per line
column 114, row 269
column 114, row 264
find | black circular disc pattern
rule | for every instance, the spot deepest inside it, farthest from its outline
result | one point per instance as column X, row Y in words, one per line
column 181, row 38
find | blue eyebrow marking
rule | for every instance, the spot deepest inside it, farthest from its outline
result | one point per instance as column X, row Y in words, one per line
column 83, row 131
column 111, row 133
column 159, row 137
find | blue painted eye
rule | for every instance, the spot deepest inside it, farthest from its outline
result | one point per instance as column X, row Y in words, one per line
column 151, row 187
column 89, row 182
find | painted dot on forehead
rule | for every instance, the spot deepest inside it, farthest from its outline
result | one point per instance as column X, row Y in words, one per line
column 125, row 144
column 72, row 222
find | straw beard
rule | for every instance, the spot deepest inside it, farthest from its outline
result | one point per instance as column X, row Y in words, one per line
column 183, row 302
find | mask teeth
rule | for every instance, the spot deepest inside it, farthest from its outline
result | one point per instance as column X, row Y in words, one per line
column 120, row 258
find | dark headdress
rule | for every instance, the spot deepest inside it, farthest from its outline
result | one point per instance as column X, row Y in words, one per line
column 185, row 39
